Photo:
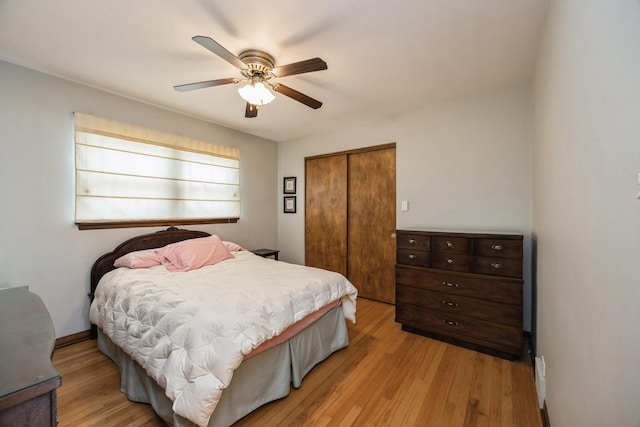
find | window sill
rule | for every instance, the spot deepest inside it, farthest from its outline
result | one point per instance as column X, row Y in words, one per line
column 97, row 225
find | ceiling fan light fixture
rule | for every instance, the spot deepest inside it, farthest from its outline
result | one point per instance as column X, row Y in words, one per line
column 256, row 94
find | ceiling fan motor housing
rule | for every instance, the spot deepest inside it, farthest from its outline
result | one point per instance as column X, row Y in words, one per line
column 259, row 63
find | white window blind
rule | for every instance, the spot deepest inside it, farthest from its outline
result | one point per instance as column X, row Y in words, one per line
column 125, row 173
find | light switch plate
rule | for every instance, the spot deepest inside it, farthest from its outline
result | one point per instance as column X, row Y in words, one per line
column 404, row 205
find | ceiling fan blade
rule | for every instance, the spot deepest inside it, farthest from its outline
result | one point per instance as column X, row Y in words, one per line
column 218, row 49
column 300, row 97
column 307, row 66
column 251, row 111
column 202, row 85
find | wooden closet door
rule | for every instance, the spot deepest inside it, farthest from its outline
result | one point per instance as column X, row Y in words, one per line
column 326, row 213
column 372, row 223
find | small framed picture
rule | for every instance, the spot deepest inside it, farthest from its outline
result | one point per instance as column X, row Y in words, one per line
column 289, row 185
column 290, row 204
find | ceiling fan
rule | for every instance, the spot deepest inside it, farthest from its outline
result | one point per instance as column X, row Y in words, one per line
column 258, row 69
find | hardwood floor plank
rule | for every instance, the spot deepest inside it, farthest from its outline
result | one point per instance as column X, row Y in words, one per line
column 527, row 414
column 476, row 405
column 507, row 395
column 385, row 377
column 406, row 413
column 494, row 392
column 458, row 396
column 408, row 354
column 351, row 416
column 436, row 396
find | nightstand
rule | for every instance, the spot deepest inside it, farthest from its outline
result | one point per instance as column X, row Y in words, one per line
column 267, row 252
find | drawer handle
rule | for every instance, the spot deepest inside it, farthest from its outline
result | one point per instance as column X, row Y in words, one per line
column 450, row 261
column 497, row 247
column 450, row 285
column 496, row 265
column 412, row 241
column 449, row 244
column 449, row 303
column 450, row 322
column 412, row 256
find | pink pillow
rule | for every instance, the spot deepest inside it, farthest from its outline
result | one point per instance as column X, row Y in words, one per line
column 139, row 259
column 194, row 253
column 233, row 246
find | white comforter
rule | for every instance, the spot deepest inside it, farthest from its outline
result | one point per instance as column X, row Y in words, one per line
column 191, row 330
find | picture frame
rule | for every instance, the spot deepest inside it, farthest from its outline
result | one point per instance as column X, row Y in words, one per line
column 289, row 185
column 290, row 204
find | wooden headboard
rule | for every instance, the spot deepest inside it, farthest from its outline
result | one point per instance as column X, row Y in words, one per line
column 104, row 264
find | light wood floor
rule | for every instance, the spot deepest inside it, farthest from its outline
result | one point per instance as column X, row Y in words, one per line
column 386, row 377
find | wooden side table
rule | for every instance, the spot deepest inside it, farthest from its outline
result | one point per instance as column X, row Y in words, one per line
column 267, row 253
column 29, row 380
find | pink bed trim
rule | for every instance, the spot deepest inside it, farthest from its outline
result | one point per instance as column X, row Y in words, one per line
column 293, row 329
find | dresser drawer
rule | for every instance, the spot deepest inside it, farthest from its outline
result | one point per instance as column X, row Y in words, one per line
column 412, row 257
column 451, row 261
column 451, row 245
column 413, row 241
column 503, row 290
column 506, row 314
column 507, row 267
column 502, row 248
column 503, row 337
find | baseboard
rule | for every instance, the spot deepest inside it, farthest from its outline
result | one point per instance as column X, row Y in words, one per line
column 545, row 416
column 543, row 411
column 73, row 338
column 526, row 336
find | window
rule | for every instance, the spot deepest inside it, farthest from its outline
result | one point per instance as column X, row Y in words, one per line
column 127, row 176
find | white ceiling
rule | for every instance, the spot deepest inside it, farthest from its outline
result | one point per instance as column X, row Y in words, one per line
column 384, row 57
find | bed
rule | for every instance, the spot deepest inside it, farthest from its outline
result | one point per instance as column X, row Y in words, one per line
column 206, row 345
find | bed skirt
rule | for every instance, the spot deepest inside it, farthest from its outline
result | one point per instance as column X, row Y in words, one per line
column 262, row 378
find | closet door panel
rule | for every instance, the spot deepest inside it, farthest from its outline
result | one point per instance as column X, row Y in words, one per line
column 326, row 213
column 371, row 245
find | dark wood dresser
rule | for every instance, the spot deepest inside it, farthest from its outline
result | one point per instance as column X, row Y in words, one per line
column 463, row 288
column 28, row 380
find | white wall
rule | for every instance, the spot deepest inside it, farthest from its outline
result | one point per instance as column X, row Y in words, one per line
column 463, row 165
column 39, row 244
column 586, row 218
